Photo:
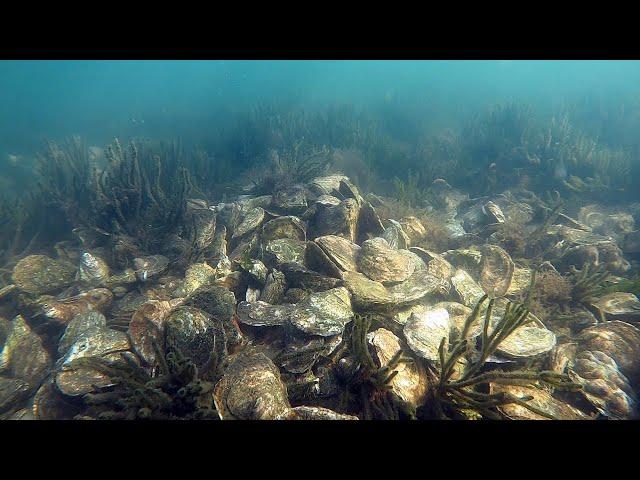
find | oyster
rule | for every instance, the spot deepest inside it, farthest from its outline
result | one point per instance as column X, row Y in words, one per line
column 338, row 219
column 381, row 263
column 38, row 274
column 23, row 355
column 196, row 336
column 262, row 314
column 369, row 223
column 252, row 220
column 620, row 341
column 414, row 229
column 538, row 398
column 410, row 383
column 316, row 259
column 13, row 391
column 496, row 271
column 289, row 200
column 300, row 277
column 147, row 327
column 604, row 385
column 197, row 276
column 395, row 236
column 424, row 331
column 313, row 413
column 468, row 291
column 323, row 313
column 93, row 269
column 619, row 306
column 340, row 251
column 288, row 227
column 62, row 311
column 527, row 341
column 151, row 266
column 274, row 288
column 285, row 250
column 79, row 325
column 251, row 389
column 76, row 379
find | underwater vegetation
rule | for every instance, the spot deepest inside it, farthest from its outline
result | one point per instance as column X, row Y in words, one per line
column 318, row 265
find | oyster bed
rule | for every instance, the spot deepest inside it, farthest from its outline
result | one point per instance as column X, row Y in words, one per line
column 309, row 304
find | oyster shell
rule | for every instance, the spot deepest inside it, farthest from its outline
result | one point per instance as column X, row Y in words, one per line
column 23, row 355
column 289, row 227
column 323, row 313
column 619, row 306
column 604, row 385
column 381, row 263
column 496, row 271
column 252, row 220
column 425, row 330
column 251, row 389
column 39, row 274
column 541, row 400
column 285, row 250
column 620, row 341
column 151, row 266
column 410, row 383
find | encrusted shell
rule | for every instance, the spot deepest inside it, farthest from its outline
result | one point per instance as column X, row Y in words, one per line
column 284, row 227
column 424, row 331
column 252, row 220
column 323, row 313
column 496, row 271
column 619, row 306
column 251, row 389
column 541, row 399
column 410, row 383
column 381, row 263
column 38, row 274
column 604, row 385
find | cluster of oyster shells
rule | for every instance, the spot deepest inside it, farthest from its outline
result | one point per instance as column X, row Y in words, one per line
column 283, row 276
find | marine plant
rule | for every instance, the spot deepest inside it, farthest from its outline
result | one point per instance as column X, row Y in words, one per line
column 141, row 194
column 460, row 376
column 370, row 384
column 298, row 164
column 587, row 284
column 175, row 392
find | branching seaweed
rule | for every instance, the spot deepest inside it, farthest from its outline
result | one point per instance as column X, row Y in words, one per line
column 458, row 391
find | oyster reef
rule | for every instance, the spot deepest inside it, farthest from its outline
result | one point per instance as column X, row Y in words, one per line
column 394, row 258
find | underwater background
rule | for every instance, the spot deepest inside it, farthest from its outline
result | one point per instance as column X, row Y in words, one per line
column 500, row 183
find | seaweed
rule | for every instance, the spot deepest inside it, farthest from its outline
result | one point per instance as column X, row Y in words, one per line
column 369, row 383
column 588, row 283
column 456, row 393
column 175, row 392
